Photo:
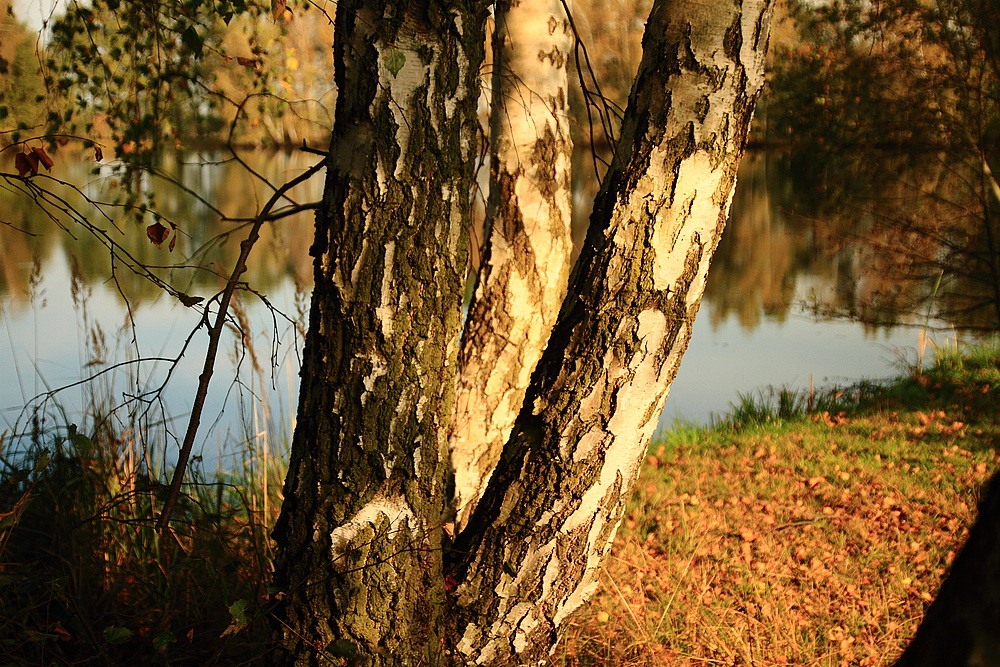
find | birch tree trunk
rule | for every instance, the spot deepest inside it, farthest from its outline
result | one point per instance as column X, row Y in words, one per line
column 526, row 261
column 528, row 556
column 360, row 568
column 359, row 537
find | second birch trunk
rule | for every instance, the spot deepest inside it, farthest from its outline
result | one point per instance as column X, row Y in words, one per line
column 525, row 266
column 529, row 555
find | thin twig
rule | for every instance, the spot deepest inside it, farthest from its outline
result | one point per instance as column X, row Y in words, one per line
column 215, row 335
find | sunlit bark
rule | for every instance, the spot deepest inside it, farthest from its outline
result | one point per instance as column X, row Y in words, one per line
column 359, row 571
column 529, row 554
column 526, row 263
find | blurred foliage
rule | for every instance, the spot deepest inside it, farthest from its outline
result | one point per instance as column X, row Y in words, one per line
column 891, row 111
column 145, row 75
column 149, row 88
column 136, row 77
column 896, row 73
column 21, row 86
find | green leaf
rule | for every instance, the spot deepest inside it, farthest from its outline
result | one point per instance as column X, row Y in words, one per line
column 394, row 61
column 115, row 634
column 10, row 519
column 79, row 440
column 81, row 443
column 192, row 40
column 238, row 610
column 164, row 640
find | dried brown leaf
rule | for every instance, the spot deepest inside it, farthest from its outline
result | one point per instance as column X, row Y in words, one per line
column 23, row 165
column 157, row 233
column 42, row 157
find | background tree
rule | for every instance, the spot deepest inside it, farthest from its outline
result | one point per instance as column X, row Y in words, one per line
column 921, row 80
column 360, row 563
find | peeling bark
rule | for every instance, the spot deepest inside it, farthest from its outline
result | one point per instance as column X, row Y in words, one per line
column 526, row 261
column 359, row 559
column 360, row 571
column 528, row 556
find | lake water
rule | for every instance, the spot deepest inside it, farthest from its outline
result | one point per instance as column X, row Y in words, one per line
column 65, row 305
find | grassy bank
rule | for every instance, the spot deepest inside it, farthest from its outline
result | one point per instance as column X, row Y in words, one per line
column 794, row 537
column 801, row 531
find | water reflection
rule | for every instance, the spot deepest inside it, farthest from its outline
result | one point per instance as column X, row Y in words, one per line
column 915, row 230
column 203, row 186
column 883, row 239
column 71, row 309
column 791, row 258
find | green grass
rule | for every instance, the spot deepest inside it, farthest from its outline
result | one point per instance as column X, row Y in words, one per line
column 86, row 579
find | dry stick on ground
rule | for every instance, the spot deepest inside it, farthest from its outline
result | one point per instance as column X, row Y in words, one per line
column 215, row 335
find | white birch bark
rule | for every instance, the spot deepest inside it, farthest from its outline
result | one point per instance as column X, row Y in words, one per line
column 529, row 555
column 526, row 263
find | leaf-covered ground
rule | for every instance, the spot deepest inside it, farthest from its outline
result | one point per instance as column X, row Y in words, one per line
column 817, row 539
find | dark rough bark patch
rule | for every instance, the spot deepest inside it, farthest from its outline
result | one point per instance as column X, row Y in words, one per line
column 375, row 391
column 962, row 626
column 556, row 57
column 733, row 41
column 543, row 158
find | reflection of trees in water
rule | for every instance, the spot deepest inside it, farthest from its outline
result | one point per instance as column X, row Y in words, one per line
column 773, row 252
column 932, row 245
column 865, row 237
column 18, row 247
column 754, row 267
column 206, row 247
column 882, row 238
column 856, row 75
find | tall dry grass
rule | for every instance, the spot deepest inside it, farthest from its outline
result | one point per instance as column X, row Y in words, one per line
column 85, row 578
